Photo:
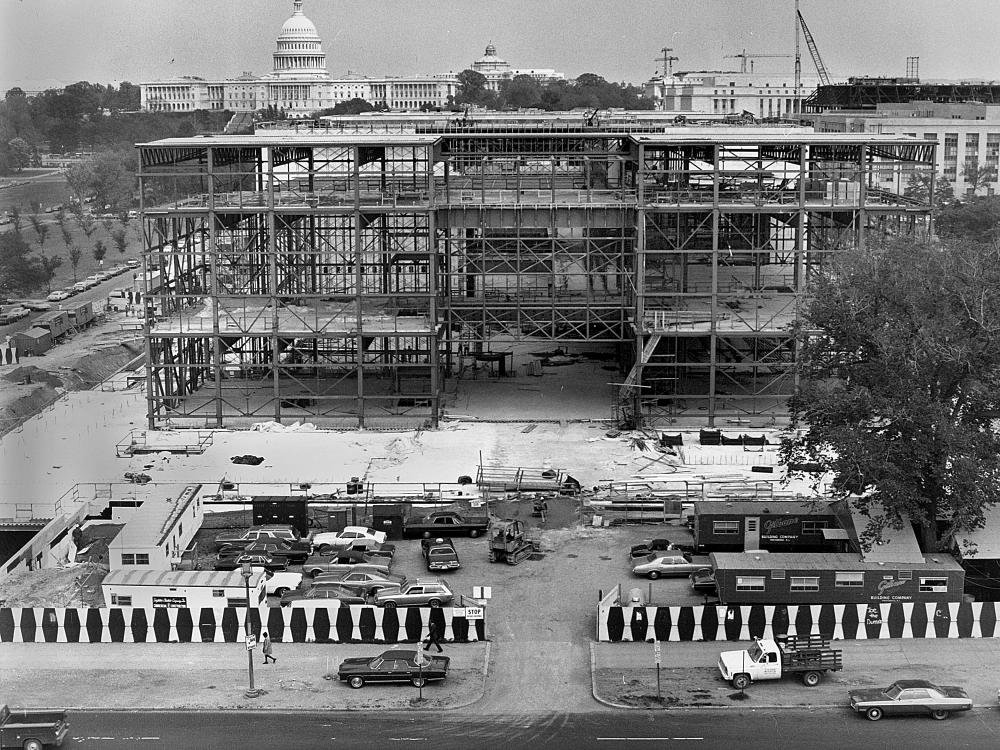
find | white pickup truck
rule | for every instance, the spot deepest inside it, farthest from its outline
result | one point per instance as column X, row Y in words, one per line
column 808, row 656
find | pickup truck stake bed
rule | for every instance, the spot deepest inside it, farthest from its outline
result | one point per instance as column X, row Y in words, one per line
column 807, row 656
column 32, row 730
column 445, row 523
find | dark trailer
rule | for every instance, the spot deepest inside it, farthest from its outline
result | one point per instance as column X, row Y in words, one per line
column 779, row 525
column 979, row 551
column 834, row 578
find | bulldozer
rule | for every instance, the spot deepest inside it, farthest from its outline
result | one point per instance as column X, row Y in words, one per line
column 508, row 543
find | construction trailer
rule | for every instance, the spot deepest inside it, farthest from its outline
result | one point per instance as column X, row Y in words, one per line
column 34, row 341
column 182, row 588
column 343, row 275
column 834, row 578
column 774, row 525
column 57, row 323
column 81, row 314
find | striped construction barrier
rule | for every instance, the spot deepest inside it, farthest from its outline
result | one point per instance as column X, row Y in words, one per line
column 347, row 624
column 879, row 620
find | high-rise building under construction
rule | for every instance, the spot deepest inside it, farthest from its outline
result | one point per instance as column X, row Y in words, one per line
column 347, row 272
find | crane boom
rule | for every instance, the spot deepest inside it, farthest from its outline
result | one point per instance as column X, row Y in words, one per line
column 824, row 76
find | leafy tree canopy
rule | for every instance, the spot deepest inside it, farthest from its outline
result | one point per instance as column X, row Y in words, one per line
column 976, row 219
column 900, row 383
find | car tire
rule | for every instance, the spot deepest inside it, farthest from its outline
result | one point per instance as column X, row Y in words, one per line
column 652, row 575
column 426, row 535
column 874, row 713
column 390, row 605
column 323, row 549
column 33, row 745
column 314, row 572
column 281, row 592
column 811, row 679
column 418, row 682
column 356, row 682
column 434, row 603
column 474, row 533
column 939, row 715
column 741, row 681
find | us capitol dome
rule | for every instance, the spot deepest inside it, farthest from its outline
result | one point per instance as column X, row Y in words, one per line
column 300, row 50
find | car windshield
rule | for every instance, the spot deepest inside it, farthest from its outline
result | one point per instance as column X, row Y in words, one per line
column 892, row 692
column 651, row 556
column 755, row 652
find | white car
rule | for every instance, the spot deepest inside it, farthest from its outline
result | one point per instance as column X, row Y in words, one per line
column 58, row 296
column 280, row 582
column 329, row 540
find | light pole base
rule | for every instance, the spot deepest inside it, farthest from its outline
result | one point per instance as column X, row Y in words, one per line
column 254, row 693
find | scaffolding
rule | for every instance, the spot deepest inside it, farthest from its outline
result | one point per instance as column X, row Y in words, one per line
column 341, row 278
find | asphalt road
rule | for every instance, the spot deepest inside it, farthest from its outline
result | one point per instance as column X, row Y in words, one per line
column 766, row 730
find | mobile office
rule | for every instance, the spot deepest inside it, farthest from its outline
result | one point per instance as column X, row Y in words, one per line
column 834, row 578
column 34, row 341
column 57, row 322
column 734, row 525
column 182, row 588
column 81, row 313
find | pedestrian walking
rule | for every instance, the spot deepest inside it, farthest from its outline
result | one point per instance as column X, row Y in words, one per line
column 267, row 649
column 433, row 636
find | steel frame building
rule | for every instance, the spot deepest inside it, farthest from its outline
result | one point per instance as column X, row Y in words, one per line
column 341, row 277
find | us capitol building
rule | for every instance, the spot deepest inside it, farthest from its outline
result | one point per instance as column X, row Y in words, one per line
column 299, row 83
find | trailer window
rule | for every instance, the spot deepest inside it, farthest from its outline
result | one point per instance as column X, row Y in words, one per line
column 121, row 601
column 934, row 584
column 850, row 579
column 128, row 558
column 813, row 527
column 804, row 583
column 726, row 527
column 142, row 558
column 750, row 583
column 218, row 592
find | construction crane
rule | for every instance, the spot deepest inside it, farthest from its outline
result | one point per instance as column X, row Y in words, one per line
column 824, row 76
column 667, row 60
column 744, row 56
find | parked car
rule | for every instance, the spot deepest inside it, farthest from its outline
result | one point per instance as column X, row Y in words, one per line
column 240, row 539
column 910, row 697
column 330, row 540
column 423, row 592
column 235, row 562
column 133, row 263
column 320, row 596
column 371, row 547
column 37, row 305
column 807, row 656
column 277, row 548
column 655, row 545
column 13, row 314
column 280, row 582
column 703, row 581
column 344, row 562
column 394, row 666
column 445, row 523
column 657, row 564
column 440, row 554
column 57, row 296
column 362, row 582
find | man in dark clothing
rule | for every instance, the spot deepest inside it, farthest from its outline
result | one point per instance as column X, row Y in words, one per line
column 433, row 636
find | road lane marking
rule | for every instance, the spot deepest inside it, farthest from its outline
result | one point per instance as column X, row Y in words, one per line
column 650, row 739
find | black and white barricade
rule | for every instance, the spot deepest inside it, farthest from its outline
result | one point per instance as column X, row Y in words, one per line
column 348, row 624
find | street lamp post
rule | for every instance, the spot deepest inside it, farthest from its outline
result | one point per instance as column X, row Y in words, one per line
column 247, row 571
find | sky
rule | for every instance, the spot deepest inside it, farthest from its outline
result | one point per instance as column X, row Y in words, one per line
column 49, row 43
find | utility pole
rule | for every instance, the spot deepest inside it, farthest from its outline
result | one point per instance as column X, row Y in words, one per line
column 667, row 60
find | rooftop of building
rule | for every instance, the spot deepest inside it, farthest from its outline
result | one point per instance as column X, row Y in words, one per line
column 200, row 578
column 820, row 507
column 152, row 521
column 843, row 561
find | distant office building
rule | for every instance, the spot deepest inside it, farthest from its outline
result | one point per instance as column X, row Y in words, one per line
column 496, row 70
column 763, row 95
column 967, row 135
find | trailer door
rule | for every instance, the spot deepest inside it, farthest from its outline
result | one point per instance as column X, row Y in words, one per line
column 751, row 533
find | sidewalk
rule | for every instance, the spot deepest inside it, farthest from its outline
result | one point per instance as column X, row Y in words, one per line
column 214, row 676
column 624, row 674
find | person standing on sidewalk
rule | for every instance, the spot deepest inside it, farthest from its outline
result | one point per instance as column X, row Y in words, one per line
column 267, row 648
column 433, row 636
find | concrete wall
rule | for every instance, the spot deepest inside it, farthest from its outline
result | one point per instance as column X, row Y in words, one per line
column 841, row 621
column 356, row 623
column 50, row 546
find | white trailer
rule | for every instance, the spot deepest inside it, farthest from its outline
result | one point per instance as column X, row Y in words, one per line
column 182, row 588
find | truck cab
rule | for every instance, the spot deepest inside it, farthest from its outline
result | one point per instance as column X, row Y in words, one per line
column 762, row 661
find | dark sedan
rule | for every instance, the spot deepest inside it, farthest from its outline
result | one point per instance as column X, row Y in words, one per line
column 394, row 666
column 235, row 562
column 278, row 549
column 910, row 697
column 703, row 581
column 654, row 545
column 320, row 596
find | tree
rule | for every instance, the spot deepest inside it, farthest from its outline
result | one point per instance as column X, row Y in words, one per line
column 472, row 89
column 78, row 177
column 900, row 385
column 20, row 153
column 353, row 106
column 977, row 219
column 99, row 251
column 521, row 92
column 978, row 177
column 75, row 254
column 49, row 264
column 86, row 222
column 120, row 239
column 919, row 188
column 19, row 272
column 41, row 231
column 15, row 218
